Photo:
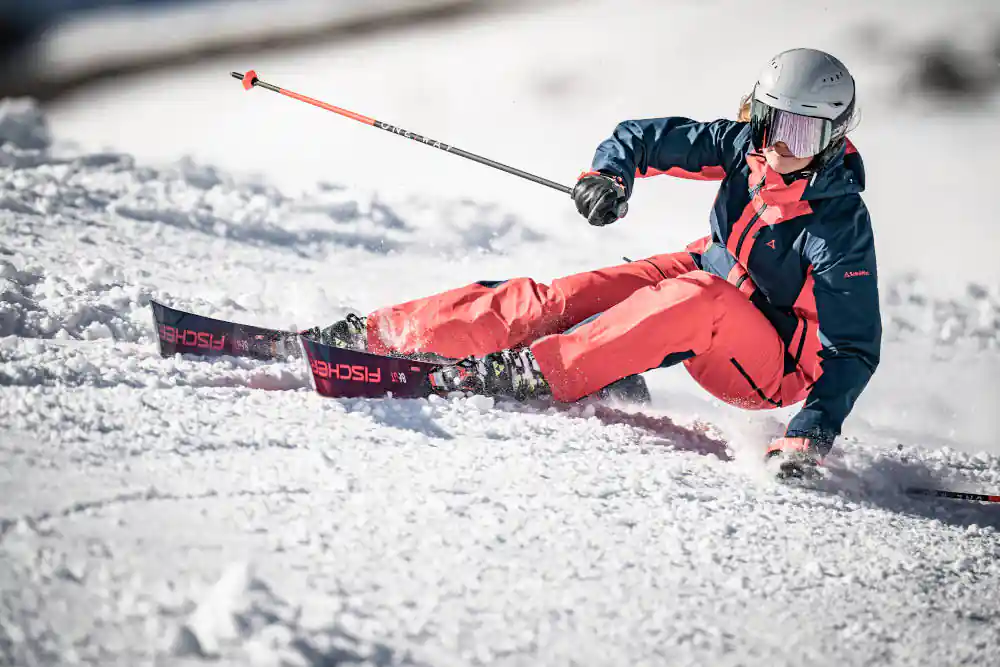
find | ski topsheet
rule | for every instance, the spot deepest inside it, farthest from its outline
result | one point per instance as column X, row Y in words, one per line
column 187, row 333
column 335, row 372
column 340, row 373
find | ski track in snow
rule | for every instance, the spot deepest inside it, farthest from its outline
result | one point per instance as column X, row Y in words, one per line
column 177, row 510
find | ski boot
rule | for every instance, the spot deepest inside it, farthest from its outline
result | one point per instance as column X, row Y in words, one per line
column 797, row 458
column 350, row 333
column 508, row 373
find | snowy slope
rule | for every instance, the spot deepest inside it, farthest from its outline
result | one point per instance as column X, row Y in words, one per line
column 173, row 510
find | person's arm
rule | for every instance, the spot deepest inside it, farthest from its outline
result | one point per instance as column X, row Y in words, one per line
column 677, row 146
column 841, row 250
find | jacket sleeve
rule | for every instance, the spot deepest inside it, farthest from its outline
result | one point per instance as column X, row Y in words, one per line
column 674, row 145
column 841, row 250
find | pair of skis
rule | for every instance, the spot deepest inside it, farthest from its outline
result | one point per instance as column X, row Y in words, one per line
column 335, row 372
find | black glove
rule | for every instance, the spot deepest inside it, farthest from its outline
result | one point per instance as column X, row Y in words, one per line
column 600, row 199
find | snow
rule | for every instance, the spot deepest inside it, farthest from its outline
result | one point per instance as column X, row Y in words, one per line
column 177, row 511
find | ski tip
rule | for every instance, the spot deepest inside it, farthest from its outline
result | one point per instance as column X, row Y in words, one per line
column 248, row 79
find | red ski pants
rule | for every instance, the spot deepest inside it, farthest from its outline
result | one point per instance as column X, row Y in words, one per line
column 650, row 310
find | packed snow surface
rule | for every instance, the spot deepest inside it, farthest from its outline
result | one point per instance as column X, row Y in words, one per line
column 179, row 511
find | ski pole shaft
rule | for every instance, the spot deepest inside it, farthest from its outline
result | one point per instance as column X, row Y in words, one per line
column 957, row 495
column 250, row 80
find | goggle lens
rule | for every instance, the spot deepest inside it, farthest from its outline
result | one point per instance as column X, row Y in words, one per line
column 805, row 136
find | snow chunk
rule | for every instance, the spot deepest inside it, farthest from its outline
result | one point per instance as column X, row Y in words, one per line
column 100, row 273
column 481, row 403
column 97, row 330
column 215, row 618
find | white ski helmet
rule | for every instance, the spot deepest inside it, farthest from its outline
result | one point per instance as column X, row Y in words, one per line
column 804, row 98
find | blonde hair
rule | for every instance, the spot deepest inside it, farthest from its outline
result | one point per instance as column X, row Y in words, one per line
column 743, row 115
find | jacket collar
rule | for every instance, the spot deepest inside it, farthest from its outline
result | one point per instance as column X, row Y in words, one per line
column 841, row 175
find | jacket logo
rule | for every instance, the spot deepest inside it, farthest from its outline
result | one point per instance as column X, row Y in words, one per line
column 770, row 244
column 855, row 274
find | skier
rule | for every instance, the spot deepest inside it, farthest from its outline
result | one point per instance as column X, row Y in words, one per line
column 779, row 304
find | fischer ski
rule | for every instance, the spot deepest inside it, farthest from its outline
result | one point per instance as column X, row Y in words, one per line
column 341, row 373
column 187, row 333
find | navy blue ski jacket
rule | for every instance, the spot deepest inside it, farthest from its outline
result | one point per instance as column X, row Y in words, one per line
column 802, row 249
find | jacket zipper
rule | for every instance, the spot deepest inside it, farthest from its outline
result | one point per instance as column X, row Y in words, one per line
column 753, row 193
column 746, row 230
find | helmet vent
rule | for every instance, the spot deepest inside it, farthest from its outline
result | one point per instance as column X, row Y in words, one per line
column 773, row 97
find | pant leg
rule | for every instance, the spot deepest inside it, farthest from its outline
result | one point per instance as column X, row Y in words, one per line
column 481, row 318
column 736, row 355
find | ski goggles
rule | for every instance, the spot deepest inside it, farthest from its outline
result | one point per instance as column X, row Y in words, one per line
column 805, row 136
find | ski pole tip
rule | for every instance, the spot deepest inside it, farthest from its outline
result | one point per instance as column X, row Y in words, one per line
column 248, row 79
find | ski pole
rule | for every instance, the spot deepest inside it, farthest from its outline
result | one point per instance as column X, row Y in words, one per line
column 250, row 80
column 957, row 495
